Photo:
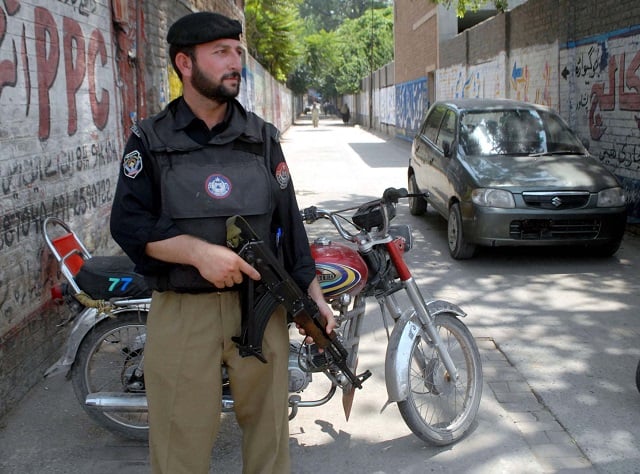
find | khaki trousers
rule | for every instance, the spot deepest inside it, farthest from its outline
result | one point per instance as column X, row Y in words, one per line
column 188, row 339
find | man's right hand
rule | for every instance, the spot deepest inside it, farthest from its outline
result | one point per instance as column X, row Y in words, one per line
column 224, row 268
column 217, row 264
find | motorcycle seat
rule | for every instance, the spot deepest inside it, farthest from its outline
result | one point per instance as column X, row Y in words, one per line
column 106, row 278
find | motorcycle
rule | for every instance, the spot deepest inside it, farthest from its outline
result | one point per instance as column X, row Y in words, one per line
column 432, row 363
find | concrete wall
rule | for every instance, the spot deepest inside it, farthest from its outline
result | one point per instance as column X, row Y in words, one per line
column 74, row 74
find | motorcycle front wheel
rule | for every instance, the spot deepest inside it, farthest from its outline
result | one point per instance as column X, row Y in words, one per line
column 440, row 410
column 106, row 362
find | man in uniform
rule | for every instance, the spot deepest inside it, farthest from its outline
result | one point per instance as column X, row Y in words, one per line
column 201, row 160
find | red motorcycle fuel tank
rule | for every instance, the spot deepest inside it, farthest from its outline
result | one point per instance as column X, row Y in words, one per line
column 339, row 268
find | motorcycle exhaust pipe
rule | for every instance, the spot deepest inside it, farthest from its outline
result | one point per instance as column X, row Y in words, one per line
column 132, row 402
column 116, row 401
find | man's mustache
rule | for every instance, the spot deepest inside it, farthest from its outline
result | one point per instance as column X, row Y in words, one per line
column 232, row 75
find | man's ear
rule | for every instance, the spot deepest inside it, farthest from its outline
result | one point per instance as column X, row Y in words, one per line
column 184, row 63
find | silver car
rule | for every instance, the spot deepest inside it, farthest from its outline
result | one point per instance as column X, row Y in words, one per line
column 507, row 173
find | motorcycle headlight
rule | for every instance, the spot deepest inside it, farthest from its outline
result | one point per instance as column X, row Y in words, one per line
column 612, row 197
column 489, row 197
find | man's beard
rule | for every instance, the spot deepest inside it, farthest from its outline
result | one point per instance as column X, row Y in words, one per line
column 212, row 90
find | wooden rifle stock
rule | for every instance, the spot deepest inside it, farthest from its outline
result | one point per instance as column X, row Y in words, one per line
column 277, row 287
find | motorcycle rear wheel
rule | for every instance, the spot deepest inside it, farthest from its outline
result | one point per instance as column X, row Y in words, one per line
column 104, row 363
column 438, row 409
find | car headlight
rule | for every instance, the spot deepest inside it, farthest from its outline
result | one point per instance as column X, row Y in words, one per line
column 612, row 197
column 489, row 197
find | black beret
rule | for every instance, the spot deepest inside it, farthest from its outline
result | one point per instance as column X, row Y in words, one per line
column 202, row 27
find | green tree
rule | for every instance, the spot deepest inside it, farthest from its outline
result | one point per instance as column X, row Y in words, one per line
column 330, row 14
column 364, row 44
column 299, row 80
column 462, row 6
column 321, row 58
column 273, row 29
column 331, row 56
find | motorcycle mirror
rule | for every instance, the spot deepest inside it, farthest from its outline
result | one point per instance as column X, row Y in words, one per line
column 393, row 194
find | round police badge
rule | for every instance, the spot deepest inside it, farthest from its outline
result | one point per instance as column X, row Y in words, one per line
column 132, row 164
column 218, row 186
column 282, row 175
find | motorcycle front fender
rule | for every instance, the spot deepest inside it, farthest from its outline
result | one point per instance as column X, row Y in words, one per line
column 398, row 357
column 83, row 323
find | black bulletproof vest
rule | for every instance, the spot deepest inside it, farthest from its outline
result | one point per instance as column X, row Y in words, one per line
column 202, row 186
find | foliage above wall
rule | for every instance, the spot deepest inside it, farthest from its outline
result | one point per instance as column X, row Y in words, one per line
column 328, row 46
column 462, row 6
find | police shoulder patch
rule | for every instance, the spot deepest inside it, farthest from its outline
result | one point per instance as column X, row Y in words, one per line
column 132, row 164
column 282, row 175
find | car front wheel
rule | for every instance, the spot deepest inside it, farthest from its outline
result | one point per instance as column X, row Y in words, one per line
column 459, row 248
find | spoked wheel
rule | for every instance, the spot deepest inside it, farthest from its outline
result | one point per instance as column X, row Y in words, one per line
column 106, row 362
column 439, row 409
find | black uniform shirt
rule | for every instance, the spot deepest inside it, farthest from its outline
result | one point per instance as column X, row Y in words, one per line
column 195, row 127
column 136, row 217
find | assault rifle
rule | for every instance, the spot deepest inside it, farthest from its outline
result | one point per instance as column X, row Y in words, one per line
column 277, row 287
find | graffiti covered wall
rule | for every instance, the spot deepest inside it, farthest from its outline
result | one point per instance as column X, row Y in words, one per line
column 72, row 79
column 60, row 142
column 411, row 102
column 265, row 96
column 533, row 75
column 385, row 100
column 480, row 80
column 600, row 89
column 529, row 74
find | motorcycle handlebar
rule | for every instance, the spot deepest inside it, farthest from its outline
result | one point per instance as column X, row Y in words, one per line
column 389, row 196
column 309, row 214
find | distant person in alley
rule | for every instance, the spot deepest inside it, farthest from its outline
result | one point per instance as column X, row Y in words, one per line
column 346, row 113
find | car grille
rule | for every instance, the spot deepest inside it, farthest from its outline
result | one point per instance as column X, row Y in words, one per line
column 552, row 229
column 558, row 200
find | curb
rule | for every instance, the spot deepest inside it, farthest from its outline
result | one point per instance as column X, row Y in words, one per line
column 551, row 444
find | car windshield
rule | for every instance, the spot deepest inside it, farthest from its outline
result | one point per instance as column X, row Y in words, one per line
column 515, row 131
